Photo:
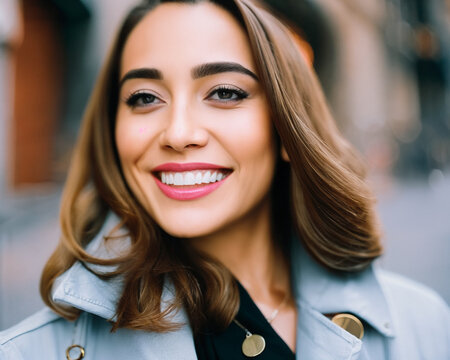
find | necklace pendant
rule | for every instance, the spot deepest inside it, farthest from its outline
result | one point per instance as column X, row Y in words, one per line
column 253, row 345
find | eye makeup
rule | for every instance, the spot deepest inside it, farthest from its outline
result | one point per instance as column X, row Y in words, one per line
column 227, row 93
column 142, row 99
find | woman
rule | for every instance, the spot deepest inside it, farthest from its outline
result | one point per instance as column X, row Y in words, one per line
column 213, row 210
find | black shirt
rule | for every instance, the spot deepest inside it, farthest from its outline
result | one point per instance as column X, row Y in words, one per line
column 228, row 344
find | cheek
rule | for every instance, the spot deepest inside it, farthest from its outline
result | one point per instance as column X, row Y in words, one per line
column 251, row 143
column 254, row 143
column 131, row 139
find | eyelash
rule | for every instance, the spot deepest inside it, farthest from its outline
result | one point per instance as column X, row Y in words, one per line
column 240, row 94
column 132, row 100
column 142, row 95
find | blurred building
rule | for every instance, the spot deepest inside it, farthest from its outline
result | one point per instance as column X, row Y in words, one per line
column 384, row 66
column 385, row 69
column 10, row 38
column 50, row 54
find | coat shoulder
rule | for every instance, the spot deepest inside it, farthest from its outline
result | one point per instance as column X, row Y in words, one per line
column 409, row 294
column 34, row 335
column 34, row 322
column 421, row 318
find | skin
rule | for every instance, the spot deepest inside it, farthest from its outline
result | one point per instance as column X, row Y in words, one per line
column 182, row 119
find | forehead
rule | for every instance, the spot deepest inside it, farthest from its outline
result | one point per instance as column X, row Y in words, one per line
column 176, row 35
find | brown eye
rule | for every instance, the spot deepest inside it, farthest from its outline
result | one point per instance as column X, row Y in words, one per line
column 142, row 99
column 227, row 94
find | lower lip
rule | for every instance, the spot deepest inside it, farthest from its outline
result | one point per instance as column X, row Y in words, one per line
column 190, row 192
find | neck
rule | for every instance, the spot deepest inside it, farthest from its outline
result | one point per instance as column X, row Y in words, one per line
column 247, row 249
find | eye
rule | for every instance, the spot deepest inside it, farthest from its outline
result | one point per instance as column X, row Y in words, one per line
column 226, row 94
column 142, row 99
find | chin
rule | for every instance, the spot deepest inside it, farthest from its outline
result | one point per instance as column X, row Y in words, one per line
column 187, row 232
column 192, row 227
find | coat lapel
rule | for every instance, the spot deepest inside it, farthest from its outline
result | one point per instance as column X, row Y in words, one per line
column 319, row 338
column 319, row 291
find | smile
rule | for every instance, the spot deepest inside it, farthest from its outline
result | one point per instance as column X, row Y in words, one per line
column 189, row 181
column 191, row 177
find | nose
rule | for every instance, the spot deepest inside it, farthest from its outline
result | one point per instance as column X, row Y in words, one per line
column 183, row 130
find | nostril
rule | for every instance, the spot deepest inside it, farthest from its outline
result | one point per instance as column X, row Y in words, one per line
column 190, row 138
column 181, row 147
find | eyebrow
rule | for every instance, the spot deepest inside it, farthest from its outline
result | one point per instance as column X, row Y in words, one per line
column 142, row 73
column 197, row 72
column 220, row 67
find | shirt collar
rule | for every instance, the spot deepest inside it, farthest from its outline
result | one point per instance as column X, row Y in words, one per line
column 331, row 292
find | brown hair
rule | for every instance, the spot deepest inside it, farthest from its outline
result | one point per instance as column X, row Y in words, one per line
column 331, row 208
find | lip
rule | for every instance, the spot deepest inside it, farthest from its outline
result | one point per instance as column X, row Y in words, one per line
column 188, row 192
column 186, row 167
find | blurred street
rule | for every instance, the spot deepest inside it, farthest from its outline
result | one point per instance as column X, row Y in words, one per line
column 27, row 239
column 416, row 221
column 415, row 218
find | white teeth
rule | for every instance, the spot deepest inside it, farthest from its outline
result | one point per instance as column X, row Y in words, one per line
column 191, row 177
column 178, row 179
column 206, row 177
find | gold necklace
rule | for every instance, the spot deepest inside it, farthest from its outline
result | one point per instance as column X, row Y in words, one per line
column 254, row 344
column 277, row 310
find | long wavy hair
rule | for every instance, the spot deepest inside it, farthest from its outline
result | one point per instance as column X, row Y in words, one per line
column 320, row 194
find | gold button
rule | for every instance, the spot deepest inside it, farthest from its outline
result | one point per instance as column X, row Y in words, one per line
column 349, row 323
column 75, row 352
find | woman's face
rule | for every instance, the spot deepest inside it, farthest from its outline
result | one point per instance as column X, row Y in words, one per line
column 193, row 131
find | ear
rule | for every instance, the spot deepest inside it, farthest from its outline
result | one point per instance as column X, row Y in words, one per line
column 284, row 154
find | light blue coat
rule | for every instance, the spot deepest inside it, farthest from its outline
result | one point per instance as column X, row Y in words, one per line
column 403, row 320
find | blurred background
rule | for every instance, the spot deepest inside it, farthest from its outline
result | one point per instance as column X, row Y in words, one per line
column 385, row 68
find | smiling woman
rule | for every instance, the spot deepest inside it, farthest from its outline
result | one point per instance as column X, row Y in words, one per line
column 213, row 205
column 205, row 117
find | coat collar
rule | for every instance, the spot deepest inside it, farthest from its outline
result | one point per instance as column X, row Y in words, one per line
column 318, row 291
column 330, row 292
column 80, row 288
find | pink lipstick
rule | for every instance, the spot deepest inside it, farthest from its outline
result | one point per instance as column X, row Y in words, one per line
column 189, row 181
column 186, row 167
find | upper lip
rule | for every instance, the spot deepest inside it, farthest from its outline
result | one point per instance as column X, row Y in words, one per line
column 179, row 167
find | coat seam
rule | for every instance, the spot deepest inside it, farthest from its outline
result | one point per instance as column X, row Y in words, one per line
column 72, row 294
column 6, row 340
